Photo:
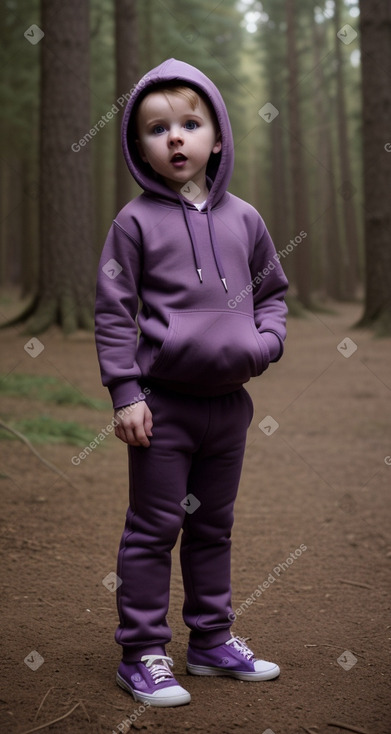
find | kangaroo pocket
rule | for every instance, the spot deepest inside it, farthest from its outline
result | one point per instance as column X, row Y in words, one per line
column 211, row 348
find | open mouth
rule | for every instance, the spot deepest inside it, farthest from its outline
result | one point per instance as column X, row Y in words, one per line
column 178, row 158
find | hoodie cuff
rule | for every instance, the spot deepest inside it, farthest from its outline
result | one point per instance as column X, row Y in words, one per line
column 125, row 392
column 274, row 345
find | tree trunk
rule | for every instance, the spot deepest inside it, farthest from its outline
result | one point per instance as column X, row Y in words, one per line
column 301, row 254
column 375, row 27
column 281, row 230
column 148, row 51
column 30, row 230
column 127, row 74
column 65, row 294
column 329, row 239
column 347, row 190
column 3, row 237
column 12, row 220
column 104, row 180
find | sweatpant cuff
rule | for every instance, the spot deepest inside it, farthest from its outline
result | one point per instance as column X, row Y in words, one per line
column 206, row 640
column 134, row 655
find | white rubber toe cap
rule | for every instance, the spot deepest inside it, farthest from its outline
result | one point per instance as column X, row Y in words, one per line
column 171, row 696
column 170, row 692
column 266, row 669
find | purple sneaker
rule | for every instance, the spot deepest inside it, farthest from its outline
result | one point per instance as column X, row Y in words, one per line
column 151, row 680
column 233, row 658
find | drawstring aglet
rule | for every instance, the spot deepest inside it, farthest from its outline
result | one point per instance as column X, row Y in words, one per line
column 224, row 282
column 199, row 274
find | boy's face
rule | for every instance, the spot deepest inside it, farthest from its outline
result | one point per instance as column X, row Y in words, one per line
column 177, row 140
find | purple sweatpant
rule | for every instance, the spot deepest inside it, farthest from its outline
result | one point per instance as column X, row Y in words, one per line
column 196, row 449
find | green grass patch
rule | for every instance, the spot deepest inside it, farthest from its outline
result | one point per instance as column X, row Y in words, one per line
column 45, row 429
column 48, row 389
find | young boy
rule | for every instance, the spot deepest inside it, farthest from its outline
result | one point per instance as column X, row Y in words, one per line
column 212, row 315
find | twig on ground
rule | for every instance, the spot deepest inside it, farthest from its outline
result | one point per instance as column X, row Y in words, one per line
column 355, row 583
column 35, row 452
column 85, row 711
column 323, row 644
column 336, row 647
column 43, row 701
column 347, row 727
column 53, row 721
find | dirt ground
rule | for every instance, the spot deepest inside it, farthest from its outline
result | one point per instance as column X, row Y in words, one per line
column 321, row 480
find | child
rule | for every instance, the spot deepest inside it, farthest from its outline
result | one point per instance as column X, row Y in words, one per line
column 212, row 315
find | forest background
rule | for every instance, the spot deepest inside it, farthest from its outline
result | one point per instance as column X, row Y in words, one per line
column 308, row 89
column 307, row 86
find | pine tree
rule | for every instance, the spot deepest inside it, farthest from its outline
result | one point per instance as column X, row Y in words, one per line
column 19, row 95
column 127, row 74
column 65, row 292
column 375, row 27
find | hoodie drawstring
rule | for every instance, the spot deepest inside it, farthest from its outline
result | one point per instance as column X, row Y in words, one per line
column 213, row 240
column 215, row 248
column 192, row 239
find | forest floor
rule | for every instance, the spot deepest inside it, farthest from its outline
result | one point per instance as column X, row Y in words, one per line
column 321, row 480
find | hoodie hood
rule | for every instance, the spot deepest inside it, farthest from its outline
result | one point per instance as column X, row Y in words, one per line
column 220, row 165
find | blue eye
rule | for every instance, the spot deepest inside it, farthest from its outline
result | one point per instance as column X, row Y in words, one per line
column 191, row 125
column 158, row 129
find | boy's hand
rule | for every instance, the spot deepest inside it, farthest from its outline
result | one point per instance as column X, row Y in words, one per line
column 134, row 424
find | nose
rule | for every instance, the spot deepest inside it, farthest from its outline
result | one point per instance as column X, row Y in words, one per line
column 175, row 136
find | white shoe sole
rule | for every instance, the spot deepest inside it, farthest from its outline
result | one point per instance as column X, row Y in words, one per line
column 239, row 675
column 153, row 699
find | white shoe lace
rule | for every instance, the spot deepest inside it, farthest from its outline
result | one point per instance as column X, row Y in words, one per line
column 160, row 672
column 240, row 644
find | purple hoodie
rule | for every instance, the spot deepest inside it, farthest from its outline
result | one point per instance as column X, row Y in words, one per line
column 212, row 312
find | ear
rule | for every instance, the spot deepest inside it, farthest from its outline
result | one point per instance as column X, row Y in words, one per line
column 140, row 150
column 217, row 146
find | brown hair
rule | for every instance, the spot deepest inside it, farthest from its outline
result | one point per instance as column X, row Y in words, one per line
column 182, row 90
